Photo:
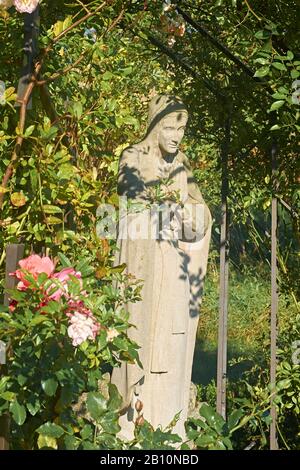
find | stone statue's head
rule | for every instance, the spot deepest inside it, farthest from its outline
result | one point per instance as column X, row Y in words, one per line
column 167, row 120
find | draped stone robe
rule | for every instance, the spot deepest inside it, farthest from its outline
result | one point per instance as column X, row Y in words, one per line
column 166, row 318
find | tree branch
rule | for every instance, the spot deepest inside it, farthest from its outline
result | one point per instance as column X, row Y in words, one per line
column 26, row 97
column 62, row 72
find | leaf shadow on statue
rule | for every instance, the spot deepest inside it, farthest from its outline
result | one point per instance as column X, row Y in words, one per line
column 196, row 284
column 130, row 181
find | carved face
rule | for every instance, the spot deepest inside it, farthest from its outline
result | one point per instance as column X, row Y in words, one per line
column 171, row 132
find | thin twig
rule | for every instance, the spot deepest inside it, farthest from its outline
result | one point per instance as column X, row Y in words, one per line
column 78, row 22
column 252, row 11
column 62, row 72
column 115, row 22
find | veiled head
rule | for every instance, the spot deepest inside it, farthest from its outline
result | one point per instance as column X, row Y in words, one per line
column 168, row 116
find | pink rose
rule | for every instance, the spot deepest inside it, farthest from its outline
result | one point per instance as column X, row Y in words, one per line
column 82, row 327
column 12, row 305
column 35, row 265
column 78, row 306
column 25, row 6
column 63, row 276
column 111, row 334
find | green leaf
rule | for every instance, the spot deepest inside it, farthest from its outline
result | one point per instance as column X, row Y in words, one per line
column 262, row 61
column 33, row 179
column 7, row 396
column 262, row 72
column 18, row 412
column 107, row 75
column 277, row 105
column 205, row 440
column 65, row 262
column 34, row 406
column 295, row 73
column 185, row 447
column 279, row 66
column 279, row 96
column 67, row 22
column 38, row 319
column 193, row 434
column 234, row 418
column 109, row 423
column 49, row 386
column 85, row 267
column 96, row 405
column 200, row 423
column 87, row 445
column 51, row 430
column 227, row 442
column 276, row 127
column 66, row 171
column 212, row 417
column 51, row 220
column 22, row 379
column 57, row 28
column 127, row 71
column 47, row 442
column 49, row 209
column 115, row 399
column 71, row 442
column 86, row 432
column 77, row 109
column 283, row 90
column 49, row 133
column 29, row 130
column 282, row 384
column 262, row 34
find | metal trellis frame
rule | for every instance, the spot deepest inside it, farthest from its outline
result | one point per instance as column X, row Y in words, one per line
column 224, row 248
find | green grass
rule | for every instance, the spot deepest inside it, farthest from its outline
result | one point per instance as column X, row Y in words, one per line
column 249, row 313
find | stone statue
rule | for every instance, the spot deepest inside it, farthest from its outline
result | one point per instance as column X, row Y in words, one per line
column 171, row 264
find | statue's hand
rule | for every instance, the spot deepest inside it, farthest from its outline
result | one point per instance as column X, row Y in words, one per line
column 192, row 220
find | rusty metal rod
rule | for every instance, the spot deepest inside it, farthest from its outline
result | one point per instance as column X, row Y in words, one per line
column 224, row 278
column 274, row 300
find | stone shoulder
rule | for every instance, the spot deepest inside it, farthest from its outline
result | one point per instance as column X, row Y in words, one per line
column 130, row 152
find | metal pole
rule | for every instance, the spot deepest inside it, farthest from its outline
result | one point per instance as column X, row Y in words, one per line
column 274, row 301
column 224, row 275
column 31, row 34
column 14, row 252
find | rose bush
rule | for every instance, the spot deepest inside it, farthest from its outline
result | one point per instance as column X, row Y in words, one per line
column 83, row 325
column 63, row 330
